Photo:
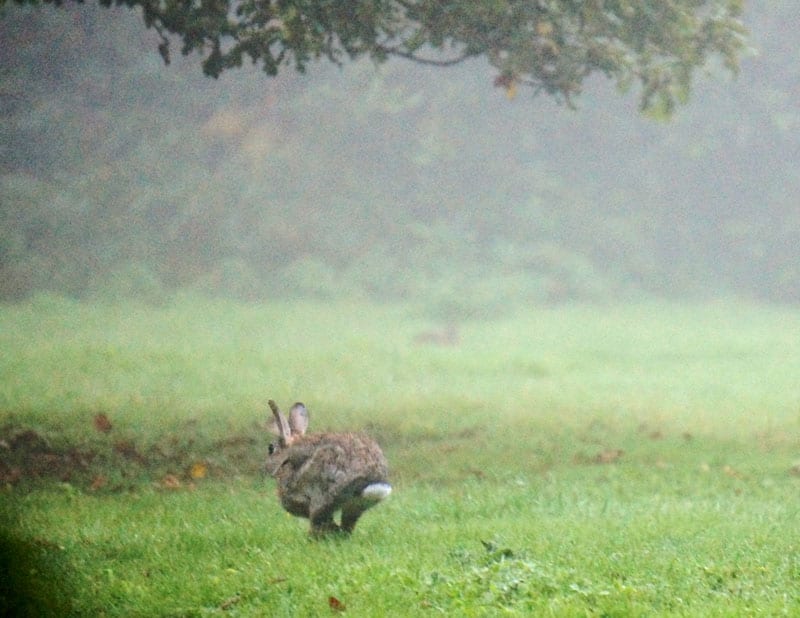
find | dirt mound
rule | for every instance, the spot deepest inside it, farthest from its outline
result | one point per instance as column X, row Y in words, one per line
column 25, row 454
column 113, row 463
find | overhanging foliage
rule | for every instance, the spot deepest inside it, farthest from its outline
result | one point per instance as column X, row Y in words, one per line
column 550, row 45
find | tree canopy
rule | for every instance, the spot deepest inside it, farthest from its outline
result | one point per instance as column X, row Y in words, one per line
column 550, row 45
column 395, row 181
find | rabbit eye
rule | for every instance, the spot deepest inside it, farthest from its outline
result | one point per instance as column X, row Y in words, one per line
column 271, row 448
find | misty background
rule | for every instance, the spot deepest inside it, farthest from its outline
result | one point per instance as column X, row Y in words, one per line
column 120, row 177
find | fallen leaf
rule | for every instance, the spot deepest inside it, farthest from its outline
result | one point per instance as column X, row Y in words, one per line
column 336, row 605
column 609, row 456
column 511, row 91
column 170, row 481
column 102, row 423
column 198, row 470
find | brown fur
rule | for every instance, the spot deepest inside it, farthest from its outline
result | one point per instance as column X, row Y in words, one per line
column 320, row 474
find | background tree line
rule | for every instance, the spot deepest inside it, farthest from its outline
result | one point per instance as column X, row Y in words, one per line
column 119, row 176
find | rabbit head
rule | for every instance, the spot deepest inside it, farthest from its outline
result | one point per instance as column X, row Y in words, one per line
column 320, row 474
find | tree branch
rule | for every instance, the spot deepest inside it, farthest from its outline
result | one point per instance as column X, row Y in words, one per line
column 400, row 53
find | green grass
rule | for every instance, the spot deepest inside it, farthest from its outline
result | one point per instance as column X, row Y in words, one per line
column 509, row 498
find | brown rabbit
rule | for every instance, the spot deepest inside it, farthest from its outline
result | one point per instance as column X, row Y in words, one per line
column 445, row 336
column 320, row 474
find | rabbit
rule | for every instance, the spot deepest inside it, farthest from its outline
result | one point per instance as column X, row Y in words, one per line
column 320, row 474
column 446, row 336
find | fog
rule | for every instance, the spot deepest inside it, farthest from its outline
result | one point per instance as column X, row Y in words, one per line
column 121, row 177
column 572, row 332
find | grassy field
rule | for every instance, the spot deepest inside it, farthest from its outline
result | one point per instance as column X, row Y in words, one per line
column 604, row 461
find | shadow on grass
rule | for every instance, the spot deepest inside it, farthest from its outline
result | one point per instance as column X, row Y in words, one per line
column 34, row 578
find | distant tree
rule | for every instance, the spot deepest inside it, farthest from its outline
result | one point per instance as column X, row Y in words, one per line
column 550, row 45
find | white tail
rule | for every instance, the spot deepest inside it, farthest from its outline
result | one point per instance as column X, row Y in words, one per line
column 376, row 491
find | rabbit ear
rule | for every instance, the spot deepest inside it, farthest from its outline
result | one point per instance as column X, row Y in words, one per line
column 298, row 419
column 279, row 425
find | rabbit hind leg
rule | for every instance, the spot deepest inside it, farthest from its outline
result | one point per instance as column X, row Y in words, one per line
column 351, row 511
